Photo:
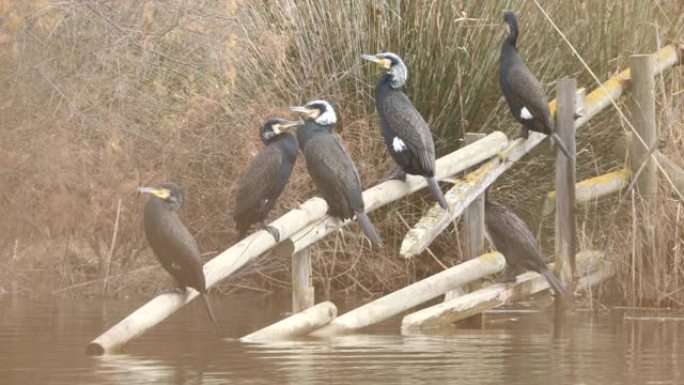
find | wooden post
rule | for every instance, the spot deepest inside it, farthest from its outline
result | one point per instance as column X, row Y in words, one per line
column 298, row 324
column 473, row 226
column 565, row 188
column 643, row 115
column 302, row 289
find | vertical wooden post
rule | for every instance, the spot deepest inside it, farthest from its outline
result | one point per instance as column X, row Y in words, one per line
column 565, row 188
column 302, row 289
column 473, row 225
column 643, row 116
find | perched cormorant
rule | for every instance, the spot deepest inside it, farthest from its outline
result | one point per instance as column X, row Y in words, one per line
column 266, row 176
column 511, row 237
column 171, row 242
column 330, row 167
column 521, row 89
column 406, row 133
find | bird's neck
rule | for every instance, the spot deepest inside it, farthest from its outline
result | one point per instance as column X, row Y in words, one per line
column 508, row 50
column 390, row 81
column 311, row 129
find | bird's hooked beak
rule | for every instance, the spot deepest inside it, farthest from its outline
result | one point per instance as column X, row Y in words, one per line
column 285, row 126
column 382, row 62
column 159, row 192
column 311, row 113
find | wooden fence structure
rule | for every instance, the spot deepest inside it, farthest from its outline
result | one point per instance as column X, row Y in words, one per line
column 484, row 159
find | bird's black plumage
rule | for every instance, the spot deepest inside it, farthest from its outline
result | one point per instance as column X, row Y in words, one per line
column 522, row 90
column 266, row 177
column 171, row 242
column 407, row 135
column 511, row 237
column 331, row 168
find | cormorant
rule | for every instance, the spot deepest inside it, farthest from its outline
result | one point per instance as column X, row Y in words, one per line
column 266, row 176
column 330, row 167
column 511, row 237
column 171, row 242
column 521, row 89
column 406, row 133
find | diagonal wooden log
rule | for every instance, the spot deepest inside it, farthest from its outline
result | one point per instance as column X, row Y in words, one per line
column 675, row 172
column 432, row 224
column 492, row 296
column 403, row 299
column 304, row 225
column 297, row 324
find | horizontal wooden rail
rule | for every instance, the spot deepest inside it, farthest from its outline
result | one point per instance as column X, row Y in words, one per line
column 592, row 189
column 297, row 324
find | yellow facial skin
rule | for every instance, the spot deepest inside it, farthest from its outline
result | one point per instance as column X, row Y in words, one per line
column 159, row 192
column 382, row 62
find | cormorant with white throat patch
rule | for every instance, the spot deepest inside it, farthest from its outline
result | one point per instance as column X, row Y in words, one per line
column 331, row 167
column 266, row 176
column 407, row 135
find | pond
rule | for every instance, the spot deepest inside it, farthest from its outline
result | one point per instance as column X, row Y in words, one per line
column 43, row 342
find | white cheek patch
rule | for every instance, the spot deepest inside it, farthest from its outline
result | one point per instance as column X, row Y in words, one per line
column 525, row 114
column 398, row 145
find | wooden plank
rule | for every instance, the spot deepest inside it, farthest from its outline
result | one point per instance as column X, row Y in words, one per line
column 305, row 225
column 492, row 296
column 436, row 220
column 297, row 324
column 591, row 189
column 565, row 229
column 414, row 294
column 302, row 289
column 643, row 117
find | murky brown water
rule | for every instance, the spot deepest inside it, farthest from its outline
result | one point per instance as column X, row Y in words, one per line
column 43, row 343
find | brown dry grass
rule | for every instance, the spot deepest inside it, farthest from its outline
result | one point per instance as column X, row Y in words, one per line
column 102, row 96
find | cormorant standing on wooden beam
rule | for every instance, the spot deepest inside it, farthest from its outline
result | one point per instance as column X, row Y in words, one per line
column 171, row 242
column 407, row 135
column 509, row 234
column 266, row 176
column 330, row 167
column 521, row 89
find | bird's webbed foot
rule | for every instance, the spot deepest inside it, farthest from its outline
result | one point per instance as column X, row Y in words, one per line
column 523, row 133
column 271, row 230
column 398, row 174
column 508, row 276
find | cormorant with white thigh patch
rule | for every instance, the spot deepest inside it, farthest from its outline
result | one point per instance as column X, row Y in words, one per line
column 407, row 135
column 521, row 89
column 330, row 167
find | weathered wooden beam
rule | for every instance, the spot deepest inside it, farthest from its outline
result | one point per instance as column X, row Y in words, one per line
column 435, row 220
column 297, row 324
column 675, row 172
column 643, row 117
column 492, row 296
column 302, row 289
column 304, row 225
column 565, row 228
column 414, row 294
column 592, row 189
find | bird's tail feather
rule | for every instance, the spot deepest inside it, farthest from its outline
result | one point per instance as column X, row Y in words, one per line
column 437, row 192
column 561, row 145
column 210, row 310
column 368, row 229
column 554, row 282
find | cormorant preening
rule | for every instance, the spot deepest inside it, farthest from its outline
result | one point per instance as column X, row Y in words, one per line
column 330, row 167
column 406, row 134
column 266, row 176
column 172, row 243
column 511, row 237
column 521, row 89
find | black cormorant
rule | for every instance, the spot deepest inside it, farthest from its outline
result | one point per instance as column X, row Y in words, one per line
column 330, row 167
column 266, row 176
column 521, row 89
column 511, row 237
column 406, row 133
column 171, row 242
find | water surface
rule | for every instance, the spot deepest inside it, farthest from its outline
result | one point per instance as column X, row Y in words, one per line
column 42, row 342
